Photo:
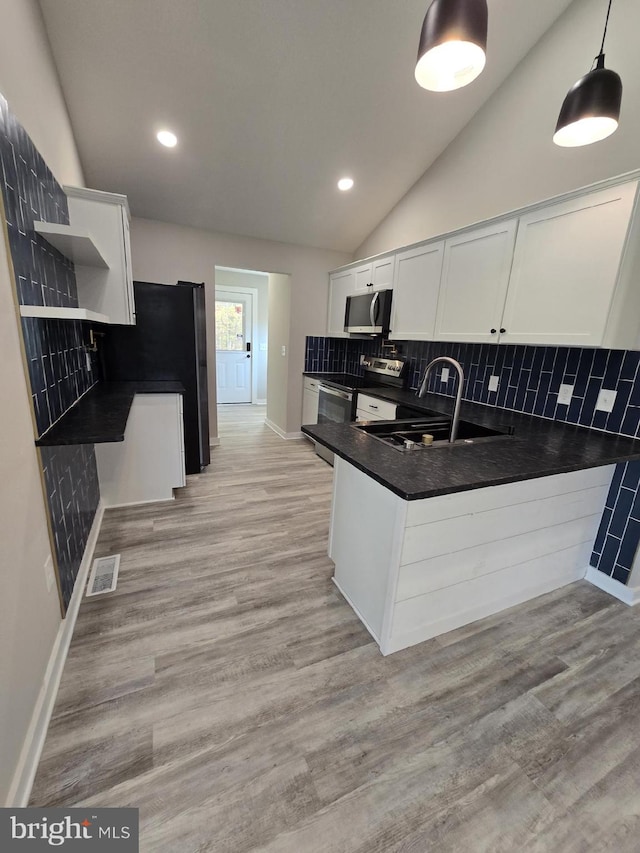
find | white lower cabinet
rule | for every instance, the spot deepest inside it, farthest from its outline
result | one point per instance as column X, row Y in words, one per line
column 310, row 401
column 149, row 463
column 412, row 570
column 371, row 409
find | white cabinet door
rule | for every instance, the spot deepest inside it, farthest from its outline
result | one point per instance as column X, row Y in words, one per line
column 362, row 278
column 106, row 217
column 415, row 292
column 474, row 283
column 371, row 409
column 341, row 285
column 310, row 401
column 565, row 269
column 376, row 275
column 149, row 463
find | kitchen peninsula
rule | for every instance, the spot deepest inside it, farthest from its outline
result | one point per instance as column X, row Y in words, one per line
column 431, row 539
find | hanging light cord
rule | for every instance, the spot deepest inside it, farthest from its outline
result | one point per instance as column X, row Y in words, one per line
column 604, row 35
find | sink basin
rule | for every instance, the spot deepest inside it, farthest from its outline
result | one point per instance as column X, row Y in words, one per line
column 405, row 435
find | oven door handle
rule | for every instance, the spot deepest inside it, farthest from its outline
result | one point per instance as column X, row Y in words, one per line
column 325, row 389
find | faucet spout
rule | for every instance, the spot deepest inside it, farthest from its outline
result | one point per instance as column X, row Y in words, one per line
column 444, row 359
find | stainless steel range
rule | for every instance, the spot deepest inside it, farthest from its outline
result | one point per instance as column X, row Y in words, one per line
column 337, row 391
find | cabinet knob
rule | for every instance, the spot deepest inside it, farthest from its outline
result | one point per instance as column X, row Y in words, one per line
column 493, row 331
column 370, row 284
column 502, row 331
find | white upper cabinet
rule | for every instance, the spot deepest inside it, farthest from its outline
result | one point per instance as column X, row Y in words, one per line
column 475, row 276
column 565, row 270
column 341, row 285
column 106, row 289
column 415, row 292
column 561, row 273
column 376, row 275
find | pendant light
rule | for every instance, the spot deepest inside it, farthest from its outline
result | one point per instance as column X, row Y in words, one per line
column 591, row 110
column 452, row 44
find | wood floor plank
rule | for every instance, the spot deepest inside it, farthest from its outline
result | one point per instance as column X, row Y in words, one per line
column 229, row 692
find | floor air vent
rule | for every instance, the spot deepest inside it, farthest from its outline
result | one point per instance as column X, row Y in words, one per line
column 104, row 575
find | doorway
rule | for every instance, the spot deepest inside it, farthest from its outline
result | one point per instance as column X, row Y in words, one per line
column 234, row 312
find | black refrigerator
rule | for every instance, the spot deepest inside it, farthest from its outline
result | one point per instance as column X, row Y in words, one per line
column 168, row 342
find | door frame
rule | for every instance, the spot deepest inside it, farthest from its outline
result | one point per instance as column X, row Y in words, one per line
column 226, row 289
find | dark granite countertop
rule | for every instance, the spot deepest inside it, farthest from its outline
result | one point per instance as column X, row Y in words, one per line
column 538, row 448
column 101, row 415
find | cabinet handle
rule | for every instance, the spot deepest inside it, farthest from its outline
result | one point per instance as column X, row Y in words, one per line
column 493, row 331
column 372, row 407
column 502, row 331
column 370, row 284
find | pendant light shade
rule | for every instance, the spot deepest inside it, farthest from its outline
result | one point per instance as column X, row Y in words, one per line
column 591, row 110
column 452, row 46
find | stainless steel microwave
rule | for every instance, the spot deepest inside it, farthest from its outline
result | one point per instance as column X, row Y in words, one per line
column 368, row 313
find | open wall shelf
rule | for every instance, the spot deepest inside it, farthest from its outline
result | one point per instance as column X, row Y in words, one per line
column 47, row 312
column 77, row 244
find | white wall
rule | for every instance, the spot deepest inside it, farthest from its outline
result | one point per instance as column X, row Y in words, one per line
column 29, row 613
column 279, row 366
column 505, row 157
column 260, row 283
column 165, row 253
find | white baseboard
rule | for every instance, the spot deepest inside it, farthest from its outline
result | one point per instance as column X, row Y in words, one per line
column 142, row 503
column 259, row 402
column 281, row 432
column 25, row 773
column 214, row 442
column 628, row 594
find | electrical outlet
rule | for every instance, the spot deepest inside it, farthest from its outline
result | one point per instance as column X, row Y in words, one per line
column 444, row 376
column 48, row 573
column 283, row 351
column 493, row 383
column 565, row 394
column 606, row 399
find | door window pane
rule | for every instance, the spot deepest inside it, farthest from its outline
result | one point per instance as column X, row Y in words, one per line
column 229, row 325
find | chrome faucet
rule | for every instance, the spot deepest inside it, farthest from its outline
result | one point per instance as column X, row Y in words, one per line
column 456, row 409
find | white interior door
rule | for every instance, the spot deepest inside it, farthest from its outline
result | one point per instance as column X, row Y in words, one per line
column 233, row 347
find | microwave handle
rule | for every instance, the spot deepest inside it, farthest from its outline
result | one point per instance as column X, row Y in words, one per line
column 373, row 312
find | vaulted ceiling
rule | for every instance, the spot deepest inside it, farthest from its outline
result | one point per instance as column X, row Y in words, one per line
column 272, row 101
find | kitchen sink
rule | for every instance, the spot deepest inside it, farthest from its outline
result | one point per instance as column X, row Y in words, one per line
column 406, row 435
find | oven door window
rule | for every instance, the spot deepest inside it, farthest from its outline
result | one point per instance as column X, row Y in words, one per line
column 333, row 407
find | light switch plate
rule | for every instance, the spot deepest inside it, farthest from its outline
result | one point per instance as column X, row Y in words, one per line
column 283, row 350
column 606, row 399
column 444, row 376
column 565, row 394
column 493, row 383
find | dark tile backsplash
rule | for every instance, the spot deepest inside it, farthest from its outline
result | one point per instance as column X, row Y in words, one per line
column 71, row 482
column 56, row 356
column 529, row 379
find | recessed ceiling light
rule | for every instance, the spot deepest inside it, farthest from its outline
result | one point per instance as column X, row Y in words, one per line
column 165, row 137
column 345, row 184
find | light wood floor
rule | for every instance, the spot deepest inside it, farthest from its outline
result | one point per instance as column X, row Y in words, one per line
column 228, row 691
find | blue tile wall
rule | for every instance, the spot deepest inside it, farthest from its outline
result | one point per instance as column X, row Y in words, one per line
column 529, row 379
column 56, row 356
column 71, row 483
